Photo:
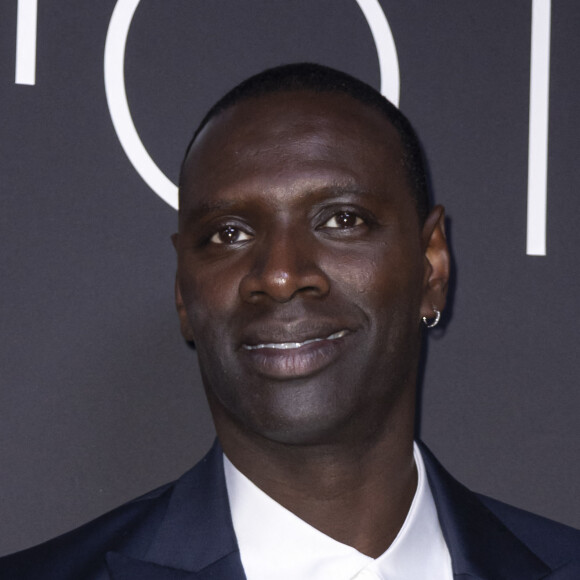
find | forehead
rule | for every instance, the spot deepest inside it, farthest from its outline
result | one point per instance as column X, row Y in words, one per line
column 294, row 136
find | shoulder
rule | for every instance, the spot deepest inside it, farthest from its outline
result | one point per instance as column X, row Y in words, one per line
column 130, row 530
column 79, row 553
column 496, row 540
column 556, row 542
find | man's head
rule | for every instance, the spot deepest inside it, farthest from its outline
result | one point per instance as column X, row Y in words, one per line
column 304, row 267
column 321, row 79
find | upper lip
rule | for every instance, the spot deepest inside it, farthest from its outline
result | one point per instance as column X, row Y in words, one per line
column 291, row 332
column 295, row 344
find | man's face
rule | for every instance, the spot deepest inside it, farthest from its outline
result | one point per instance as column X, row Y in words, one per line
column 301, row 268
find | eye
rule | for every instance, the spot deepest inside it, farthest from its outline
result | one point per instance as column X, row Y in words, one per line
column 344, row 220
column 229, row 235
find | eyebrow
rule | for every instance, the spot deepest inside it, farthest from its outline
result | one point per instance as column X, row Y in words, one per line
column 338, row 190
column 324, row 193
column 208, row 208
column 320, row 193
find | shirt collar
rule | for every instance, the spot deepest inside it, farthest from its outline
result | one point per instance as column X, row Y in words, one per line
column 274, row 543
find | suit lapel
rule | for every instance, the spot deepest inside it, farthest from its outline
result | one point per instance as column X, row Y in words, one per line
column 122, row 567
column 196, row 538
column 480, row 544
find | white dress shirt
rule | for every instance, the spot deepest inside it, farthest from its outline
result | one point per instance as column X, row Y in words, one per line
column 277, row 545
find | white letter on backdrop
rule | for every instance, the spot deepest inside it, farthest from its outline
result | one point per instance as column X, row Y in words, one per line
column 539, row 114
column 26, row 42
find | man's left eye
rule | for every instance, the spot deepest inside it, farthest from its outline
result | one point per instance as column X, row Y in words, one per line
column 344, row 220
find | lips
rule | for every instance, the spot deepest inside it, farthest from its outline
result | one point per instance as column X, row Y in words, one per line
column 295, row 350
column 292, row 327
column 293, row 345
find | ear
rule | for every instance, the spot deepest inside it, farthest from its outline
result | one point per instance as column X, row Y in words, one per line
column 437, row 263
column 186, row 329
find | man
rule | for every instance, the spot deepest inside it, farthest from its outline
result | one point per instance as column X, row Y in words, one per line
column 308, row 263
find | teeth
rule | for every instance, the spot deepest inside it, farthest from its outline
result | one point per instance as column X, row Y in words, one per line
column 338, row 334
column 289, row 345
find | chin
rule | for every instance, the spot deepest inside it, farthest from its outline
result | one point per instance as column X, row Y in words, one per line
column 304, row 423
column 304, row 432
column 328, row 408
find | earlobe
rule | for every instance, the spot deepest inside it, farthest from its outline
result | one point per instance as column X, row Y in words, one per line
column 437, row 263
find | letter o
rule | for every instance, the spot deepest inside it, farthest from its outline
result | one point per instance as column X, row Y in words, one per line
column 114, row 71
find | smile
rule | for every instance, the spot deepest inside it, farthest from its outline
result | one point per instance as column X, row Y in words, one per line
column 291, row 359
column 294, row 345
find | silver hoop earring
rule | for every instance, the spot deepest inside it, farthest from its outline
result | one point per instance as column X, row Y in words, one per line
column 435, row 321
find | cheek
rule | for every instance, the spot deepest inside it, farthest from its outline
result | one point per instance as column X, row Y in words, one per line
column 209, row 295
column 352, row 273
column 378, row 276
column 386, row 285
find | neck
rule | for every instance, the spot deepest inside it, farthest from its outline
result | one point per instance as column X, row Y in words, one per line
column 358, row 493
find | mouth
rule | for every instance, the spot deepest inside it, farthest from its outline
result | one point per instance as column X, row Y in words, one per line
column 294, row 345
column 288, row 359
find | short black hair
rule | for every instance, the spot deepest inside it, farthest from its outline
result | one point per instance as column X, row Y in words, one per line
column 322, row 79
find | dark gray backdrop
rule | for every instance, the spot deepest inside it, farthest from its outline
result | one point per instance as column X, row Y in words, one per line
column 100, row 398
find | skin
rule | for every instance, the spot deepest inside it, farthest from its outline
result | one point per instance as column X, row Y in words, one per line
column 297, row 224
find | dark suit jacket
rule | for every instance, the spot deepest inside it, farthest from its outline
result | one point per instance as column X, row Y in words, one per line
column 184, row 531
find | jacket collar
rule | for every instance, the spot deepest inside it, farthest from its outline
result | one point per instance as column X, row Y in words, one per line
column 479, row 543
column 196, row 540
column 122, row 567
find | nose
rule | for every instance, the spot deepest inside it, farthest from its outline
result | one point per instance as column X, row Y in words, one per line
column 284, row 265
